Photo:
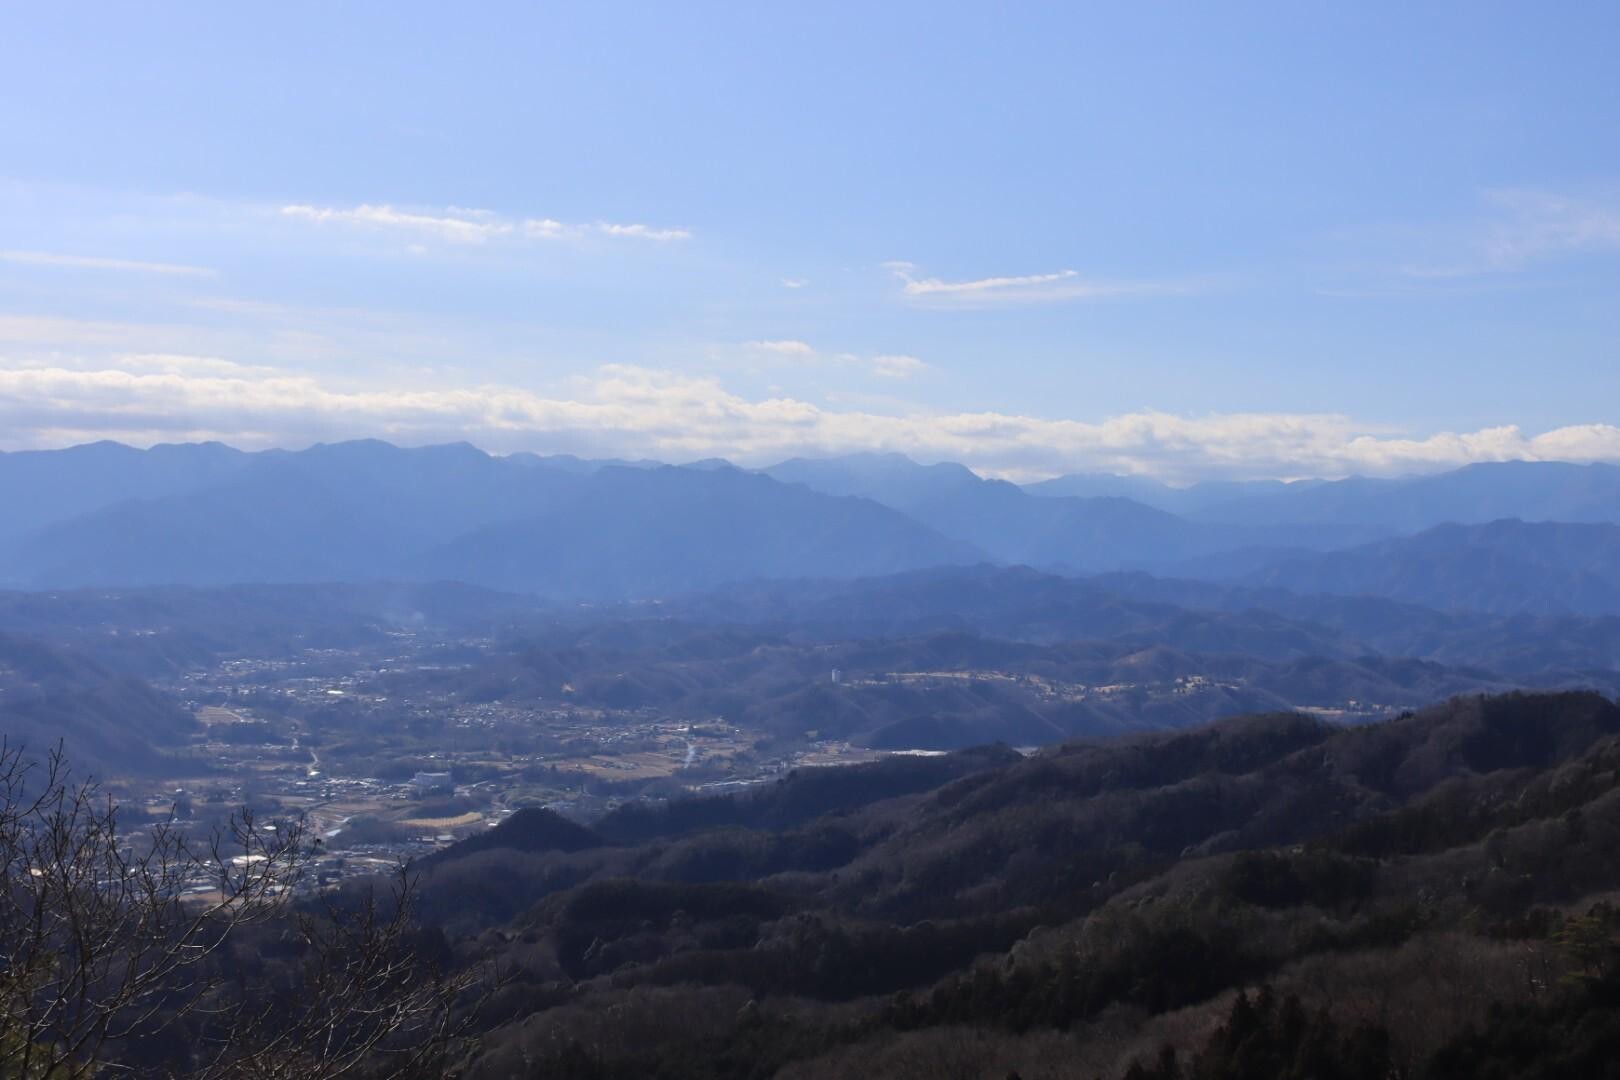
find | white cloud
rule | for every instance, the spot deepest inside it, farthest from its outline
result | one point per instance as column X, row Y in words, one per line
column 459, row 225
column 544, row 229
column 634, row 411
column 798, row 349
column 644, row 232
column 1053, row 287
column 897, row 367
column 95, row 262
column 794, row 283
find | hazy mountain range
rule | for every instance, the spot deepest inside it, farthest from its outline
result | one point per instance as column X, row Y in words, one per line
column 1519, row 537
column 1474, row 494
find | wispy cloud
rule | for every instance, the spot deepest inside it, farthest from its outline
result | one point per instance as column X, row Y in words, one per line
column 459, row 225
column 96, row 262
column 1512, row 230
column 1538, row 224
column 794, row 283
column 803, row 354
column 1053, row 287
column 456, row 226
column 186, row 364
column 935, row 287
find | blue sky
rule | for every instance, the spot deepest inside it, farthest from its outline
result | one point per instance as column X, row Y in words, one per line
column 1182, row 240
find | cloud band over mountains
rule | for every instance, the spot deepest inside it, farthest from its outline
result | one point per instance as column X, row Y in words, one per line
column 634, row 412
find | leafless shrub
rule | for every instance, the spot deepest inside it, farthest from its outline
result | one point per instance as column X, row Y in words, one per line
column 111, row 936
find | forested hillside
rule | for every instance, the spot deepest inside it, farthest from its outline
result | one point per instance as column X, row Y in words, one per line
column 112, row 721
column 1426, row 897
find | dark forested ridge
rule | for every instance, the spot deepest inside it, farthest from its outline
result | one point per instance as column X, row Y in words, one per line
column 1425, row 897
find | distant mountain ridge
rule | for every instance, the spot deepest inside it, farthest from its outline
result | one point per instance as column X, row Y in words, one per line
column 640, row 532
column 1020, row 604
column 1542, row 568
column 352, row 511
column 574, row 529
column 1186, row 501
column 40, row 487
column 369, row 511
column 1471, row 495
column 1001, row 519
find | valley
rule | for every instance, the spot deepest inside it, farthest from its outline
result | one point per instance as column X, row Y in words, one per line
column 343, row 737
column 881, row 796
